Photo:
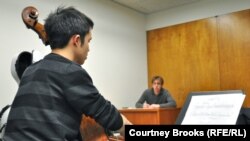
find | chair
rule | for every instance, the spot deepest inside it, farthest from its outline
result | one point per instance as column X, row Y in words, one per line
column 18, row 65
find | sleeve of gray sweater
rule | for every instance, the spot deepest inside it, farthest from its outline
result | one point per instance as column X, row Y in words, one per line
column 170, row 102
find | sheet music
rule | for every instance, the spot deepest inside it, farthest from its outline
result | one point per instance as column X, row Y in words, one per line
column 214, row 109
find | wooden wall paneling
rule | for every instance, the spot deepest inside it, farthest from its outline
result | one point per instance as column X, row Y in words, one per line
column 234, row 51
column 163, row 46
column 186, row 55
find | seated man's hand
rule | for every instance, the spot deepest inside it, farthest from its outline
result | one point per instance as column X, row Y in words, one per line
column 154, row 106
column 146, row 105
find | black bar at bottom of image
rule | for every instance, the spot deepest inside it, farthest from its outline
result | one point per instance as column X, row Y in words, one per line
column 174, row 132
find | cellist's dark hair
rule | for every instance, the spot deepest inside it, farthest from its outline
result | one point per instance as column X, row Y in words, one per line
column 62, row 24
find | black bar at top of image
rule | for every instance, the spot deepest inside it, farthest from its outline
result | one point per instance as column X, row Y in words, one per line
column 199, row 132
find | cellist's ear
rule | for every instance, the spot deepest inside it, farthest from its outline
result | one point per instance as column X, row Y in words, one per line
column 76, row 40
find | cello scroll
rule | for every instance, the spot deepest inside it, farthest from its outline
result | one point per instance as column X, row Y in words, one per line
column 30, row 19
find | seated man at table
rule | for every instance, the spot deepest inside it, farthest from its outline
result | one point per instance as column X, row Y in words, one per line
column 156, row 97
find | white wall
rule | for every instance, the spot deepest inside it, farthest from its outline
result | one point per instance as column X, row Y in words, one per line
column 200, row 10
column 117, row 60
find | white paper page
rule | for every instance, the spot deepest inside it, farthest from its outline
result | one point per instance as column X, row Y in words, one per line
column 214, row 109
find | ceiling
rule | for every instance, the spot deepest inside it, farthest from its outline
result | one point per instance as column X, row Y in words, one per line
column 152, row 6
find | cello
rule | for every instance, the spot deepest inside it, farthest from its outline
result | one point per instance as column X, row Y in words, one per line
column 30, row 19
column 89, row 128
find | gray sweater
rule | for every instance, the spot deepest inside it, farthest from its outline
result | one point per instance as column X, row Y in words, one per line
column 164, row 99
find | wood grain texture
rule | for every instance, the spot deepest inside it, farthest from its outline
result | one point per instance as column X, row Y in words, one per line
column 186, row 55
column 203, row 55
column 234, row 54
column 161, row 116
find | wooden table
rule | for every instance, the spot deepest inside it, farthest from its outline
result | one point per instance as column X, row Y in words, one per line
column 161, row 116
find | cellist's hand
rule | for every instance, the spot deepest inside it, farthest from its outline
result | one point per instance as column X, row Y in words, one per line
column 125, row 122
